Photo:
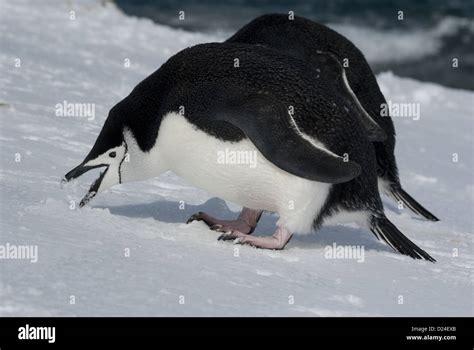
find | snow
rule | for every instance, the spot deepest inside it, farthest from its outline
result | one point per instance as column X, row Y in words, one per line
column 174, row 269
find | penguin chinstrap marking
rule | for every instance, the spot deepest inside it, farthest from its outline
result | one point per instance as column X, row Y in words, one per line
column 309, row 165
column 327, row 50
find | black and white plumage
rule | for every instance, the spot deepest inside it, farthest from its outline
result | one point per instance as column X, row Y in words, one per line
column 312, row 42
column 311, row 164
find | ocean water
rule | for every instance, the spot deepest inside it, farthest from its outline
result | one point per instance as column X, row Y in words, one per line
column 422, row 45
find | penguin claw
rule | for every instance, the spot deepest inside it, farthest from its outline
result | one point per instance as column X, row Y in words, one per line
column 194, row 217
column 231, row 235
column 240, row 240
column 225, row 236
column 277, row 241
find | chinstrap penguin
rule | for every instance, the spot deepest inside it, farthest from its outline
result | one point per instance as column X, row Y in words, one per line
column 307, row 40
column 314, row 160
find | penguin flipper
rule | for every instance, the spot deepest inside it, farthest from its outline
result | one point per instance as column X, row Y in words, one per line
column 375, row 132
column 333, row 70
column 268, row 124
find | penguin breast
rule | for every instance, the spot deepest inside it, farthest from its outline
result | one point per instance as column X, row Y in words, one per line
column 239, row 173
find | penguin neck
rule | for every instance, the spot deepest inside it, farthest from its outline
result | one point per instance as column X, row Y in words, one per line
column 140, row 165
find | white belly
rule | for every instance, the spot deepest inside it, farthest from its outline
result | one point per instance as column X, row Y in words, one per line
column 238, row 172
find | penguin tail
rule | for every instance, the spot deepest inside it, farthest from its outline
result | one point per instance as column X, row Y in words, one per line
column 384, row 230
column 400, row 195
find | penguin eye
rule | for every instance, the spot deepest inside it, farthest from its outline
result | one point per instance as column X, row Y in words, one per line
column 112, row 154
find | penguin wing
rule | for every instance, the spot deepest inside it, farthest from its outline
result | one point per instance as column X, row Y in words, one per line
column 268, row 124
column 330, row 68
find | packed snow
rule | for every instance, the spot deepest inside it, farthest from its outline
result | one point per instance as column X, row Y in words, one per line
column 130, row 253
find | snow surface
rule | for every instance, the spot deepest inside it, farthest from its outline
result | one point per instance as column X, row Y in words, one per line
column 82, row 252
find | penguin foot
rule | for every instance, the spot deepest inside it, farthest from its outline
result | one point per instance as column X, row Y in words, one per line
column 245, row 223
column 277, row 241
column 231, row 235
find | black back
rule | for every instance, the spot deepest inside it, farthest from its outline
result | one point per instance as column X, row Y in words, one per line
column 301, row 38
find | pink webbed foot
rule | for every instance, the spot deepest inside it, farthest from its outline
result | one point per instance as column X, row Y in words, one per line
column 245, row 224
column 277, row 241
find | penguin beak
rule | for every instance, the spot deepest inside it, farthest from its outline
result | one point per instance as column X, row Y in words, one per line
column 81, row 169
column 78, row 171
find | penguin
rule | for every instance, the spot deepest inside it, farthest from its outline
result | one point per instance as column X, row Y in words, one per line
column 314, row 43
column 311, row 161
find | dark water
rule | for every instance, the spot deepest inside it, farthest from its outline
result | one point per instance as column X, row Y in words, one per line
column 421, row 46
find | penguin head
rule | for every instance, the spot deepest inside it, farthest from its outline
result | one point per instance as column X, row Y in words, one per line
column 105, row 155
column 117, row 153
